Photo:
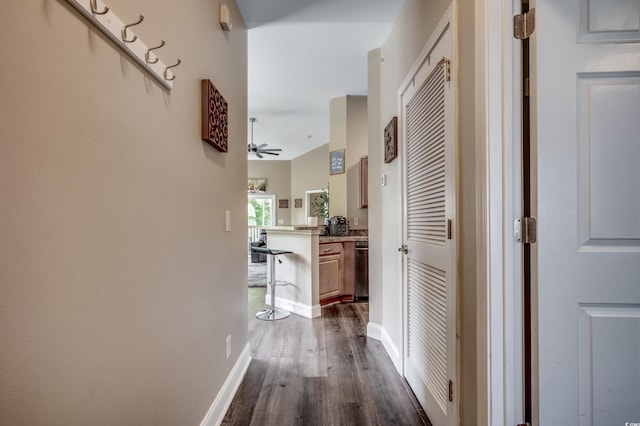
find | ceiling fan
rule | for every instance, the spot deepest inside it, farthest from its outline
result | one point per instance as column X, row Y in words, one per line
column 260, row 149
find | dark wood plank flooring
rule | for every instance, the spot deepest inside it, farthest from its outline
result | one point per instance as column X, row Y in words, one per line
column 323, row 371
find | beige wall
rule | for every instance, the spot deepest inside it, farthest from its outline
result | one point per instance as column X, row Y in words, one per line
column 289, row 179
column 338, row 141
column 119, row 283
column 308, row 172
column 278, row 175
column 411, row 30
column 357, row 147
column 375, row 190
column 349, row 131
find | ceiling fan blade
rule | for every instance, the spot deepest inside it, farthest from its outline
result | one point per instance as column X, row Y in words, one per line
column 270, row 153
column 261, row 146
column 258, row 154
column 269, row 149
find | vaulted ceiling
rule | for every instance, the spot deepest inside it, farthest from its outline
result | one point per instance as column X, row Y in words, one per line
column 302, row 53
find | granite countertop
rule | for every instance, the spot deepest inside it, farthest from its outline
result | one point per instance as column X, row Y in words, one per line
column 337, row 239
column 292, row 228
column 356, row 235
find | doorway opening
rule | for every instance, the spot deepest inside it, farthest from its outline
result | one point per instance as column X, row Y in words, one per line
column 261, row 212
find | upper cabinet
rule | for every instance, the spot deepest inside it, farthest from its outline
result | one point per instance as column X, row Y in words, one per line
column 364, row 182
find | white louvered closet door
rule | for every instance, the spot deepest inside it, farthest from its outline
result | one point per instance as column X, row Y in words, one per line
column 427, row 121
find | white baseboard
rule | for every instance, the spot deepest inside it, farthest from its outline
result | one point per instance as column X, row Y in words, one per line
column 222, row 402
column 297, row 308
column 376, row 331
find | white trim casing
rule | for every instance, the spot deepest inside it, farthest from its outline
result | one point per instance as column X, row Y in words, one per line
column 498, row 167
column 221, row 404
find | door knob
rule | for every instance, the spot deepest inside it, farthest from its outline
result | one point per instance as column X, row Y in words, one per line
column 404, row 249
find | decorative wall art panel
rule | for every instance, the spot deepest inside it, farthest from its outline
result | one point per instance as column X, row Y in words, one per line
column 215, row 130
column 391, row 140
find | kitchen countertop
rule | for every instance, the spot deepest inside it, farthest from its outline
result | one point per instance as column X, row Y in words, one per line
column 292, row 228
column 318, row 229
column 338, row 239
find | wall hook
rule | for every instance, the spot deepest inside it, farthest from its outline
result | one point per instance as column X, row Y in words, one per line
column 94, row 8
column 146, row 53
column 124, row 30
column 167, row 68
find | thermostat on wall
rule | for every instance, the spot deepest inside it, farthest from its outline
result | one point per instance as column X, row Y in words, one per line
column 225, row 17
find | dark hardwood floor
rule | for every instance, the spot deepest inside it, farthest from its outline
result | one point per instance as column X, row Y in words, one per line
column 323, row 371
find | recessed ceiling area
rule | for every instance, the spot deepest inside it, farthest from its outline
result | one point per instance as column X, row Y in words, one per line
column 301, row 54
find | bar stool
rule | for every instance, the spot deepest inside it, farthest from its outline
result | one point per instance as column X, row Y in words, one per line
column 272, row 313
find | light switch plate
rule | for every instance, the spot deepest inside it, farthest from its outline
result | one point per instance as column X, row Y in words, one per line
column 227, row 220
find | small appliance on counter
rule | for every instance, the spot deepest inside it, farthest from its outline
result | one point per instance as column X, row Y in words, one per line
column 338, row 225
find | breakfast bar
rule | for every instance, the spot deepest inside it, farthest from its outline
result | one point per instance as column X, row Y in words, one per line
column 321, row 269
column 298, row 273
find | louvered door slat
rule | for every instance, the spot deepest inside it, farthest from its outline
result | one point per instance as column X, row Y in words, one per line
column 427, row 327
column 425, row 160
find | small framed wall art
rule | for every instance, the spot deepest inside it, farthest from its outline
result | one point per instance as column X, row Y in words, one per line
column 391, row 140
column 336, row 162
column 257, row 185
column 215, row 128
column 283, row 204
column 297, row 203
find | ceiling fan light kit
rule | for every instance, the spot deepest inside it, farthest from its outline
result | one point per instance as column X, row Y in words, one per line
column 261, row 149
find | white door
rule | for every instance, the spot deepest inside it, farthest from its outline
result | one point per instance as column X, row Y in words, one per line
column 427, row 126
column 586, row 85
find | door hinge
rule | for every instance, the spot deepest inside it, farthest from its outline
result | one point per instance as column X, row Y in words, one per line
column 447, row 68
column 449, row 231
column 450, row 391
column 524, row 230
column 524, row 25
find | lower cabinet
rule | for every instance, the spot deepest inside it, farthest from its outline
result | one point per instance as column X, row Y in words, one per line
column 331, row 266
column 336, row 270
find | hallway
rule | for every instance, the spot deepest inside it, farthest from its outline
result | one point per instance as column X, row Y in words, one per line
column 320, row 372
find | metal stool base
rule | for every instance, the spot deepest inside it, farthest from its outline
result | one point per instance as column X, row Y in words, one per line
column 272, row 314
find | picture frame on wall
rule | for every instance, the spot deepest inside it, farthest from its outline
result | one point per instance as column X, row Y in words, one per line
column 214, row 119
column 336, row 162
column 391, row 140
column 257, row 185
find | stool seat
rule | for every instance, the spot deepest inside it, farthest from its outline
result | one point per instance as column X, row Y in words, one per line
column 271, row 313
column 267, row 250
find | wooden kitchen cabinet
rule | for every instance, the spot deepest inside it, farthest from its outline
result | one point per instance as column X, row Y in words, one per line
column 364, row 182
column 337, row 273
column 348, row 271
column 331, row 271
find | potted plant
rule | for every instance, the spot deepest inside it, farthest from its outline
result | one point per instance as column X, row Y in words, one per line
column 320, row 205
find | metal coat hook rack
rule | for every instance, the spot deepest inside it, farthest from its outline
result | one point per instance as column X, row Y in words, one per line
column 122, row 35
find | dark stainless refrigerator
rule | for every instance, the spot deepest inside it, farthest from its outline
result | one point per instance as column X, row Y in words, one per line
column 362, row 271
